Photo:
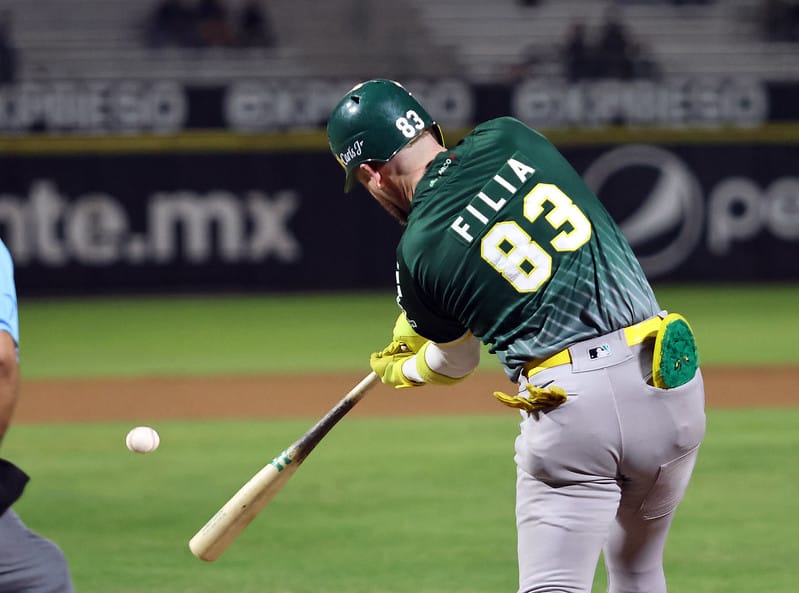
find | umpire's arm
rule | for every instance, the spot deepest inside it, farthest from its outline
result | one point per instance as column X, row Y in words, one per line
column 9, row 380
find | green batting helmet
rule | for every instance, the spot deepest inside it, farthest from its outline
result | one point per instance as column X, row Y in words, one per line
column 373, row 121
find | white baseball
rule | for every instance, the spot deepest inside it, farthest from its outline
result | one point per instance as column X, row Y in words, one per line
column 142, row 439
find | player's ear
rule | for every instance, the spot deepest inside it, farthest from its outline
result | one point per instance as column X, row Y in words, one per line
column 370, row 172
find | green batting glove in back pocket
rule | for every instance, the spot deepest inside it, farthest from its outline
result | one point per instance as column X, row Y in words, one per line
column 676, row 359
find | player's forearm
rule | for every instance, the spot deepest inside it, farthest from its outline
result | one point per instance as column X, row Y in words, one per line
column 453, row 360
column 9, row 381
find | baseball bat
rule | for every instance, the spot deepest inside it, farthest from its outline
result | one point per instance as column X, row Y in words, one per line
column 238, row 512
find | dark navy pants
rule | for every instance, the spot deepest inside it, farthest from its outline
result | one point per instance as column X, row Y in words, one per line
column 30, row 563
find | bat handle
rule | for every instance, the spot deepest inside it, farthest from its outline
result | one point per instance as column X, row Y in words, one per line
column 357, row 392
column 310, row 439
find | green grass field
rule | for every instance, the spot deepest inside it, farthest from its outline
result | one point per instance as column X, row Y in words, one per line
column 184, row 335
column 384, row 505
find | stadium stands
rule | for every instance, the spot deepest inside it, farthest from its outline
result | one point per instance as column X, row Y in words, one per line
column 721, row 37
column 479, row 40
column 105, row 39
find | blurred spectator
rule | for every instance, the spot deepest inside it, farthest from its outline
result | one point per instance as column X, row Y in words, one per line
column 614, row 47
column 172, row 23
column 8, row 52
column 526, row 67
column 780, row 19
column 642, row 61
column 674, row 2
column 616, row 53
column 255, row 27
column 213, row 24
column 576, row 56
column 207, row 23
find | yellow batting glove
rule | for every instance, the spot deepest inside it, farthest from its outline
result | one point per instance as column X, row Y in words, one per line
column 539, row 398
column 405, row 334
column 388, row 365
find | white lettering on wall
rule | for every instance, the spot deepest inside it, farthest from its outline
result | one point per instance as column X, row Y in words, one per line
column 95, row 229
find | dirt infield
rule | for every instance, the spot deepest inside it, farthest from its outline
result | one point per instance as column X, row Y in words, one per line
column 285, row 396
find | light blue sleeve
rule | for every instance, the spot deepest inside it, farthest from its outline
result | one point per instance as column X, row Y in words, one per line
column 9, row 317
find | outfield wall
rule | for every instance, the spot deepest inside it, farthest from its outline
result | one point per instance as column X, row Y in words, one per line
column 119, row 105
column 132, row 186
column 238, row 213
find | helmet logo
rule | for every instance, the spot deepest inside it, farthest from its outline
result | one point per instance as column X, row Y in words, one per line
column 353, row 150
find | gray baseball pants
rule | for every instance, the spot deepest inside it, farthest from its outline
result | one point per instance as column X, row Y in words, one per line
column 30, row 563
column 604, row 472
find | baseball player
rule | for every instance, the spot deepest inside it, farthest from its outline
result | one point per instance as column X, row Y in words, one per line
column 29, row 563
column 504, row 244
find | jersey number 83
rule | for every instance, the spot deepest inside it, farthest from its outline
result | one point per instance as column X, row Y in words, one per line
column 512, row 252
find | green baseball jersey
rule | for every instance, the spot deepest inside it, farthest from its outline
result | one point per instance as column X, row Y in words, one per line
column 505, row 240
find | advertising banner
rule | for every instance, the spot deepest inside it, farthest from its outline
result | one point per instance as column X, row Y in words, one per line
column 720, row 212
column 266, row 221
column 258, row 106
column 191, row 222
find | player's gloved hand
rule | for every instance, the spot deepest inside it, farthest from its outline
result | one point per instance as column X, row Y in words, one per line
column 405, row 334
column 388, row 363
column 539, row 399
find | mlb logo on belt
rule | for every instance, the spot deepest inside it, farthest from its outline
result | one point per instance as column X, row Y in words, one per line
column 600, row 351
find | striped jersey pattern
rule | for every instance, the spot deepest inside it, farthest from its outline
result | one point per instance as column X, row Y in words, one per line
column 505, row 240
